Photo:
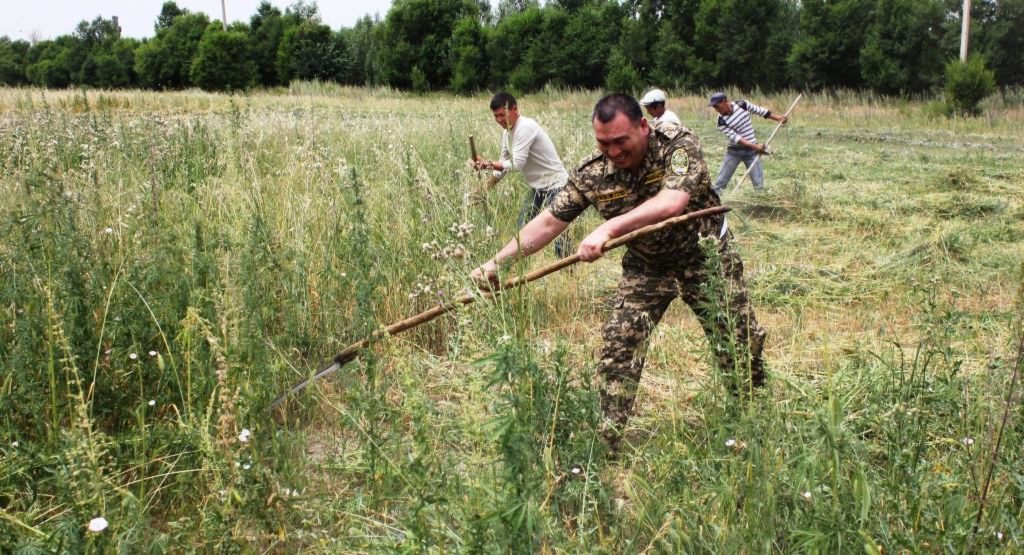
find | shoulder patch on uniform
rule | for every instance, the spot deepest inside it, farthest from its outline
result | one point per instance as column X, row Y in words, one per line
column 594, row 156
column 680, row 161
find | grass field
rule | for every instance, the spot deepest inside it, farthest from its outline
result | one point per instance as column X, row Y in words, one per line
column 173, row 261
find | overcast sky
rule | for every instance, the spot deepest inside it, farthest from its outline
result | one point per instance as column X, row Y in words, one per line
column 50, row 18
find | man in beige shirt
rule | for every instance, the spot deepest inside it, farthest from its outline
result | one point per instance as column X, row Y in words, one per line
column 526, row 148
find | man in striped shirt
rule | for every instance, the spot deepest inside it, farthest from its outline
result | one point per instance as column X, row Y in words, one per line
column 734, row 121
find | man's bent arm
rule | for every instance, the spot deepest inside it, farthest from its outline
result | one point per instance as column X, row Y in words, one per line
column 533, row 237
column 666, row 204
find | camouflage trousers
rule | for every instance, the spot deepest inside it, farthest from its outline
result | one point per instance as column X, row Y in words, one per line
column 719, row 300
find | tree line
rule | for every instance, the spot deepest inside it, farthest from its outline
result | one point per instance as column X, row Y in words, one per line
column 892, row 47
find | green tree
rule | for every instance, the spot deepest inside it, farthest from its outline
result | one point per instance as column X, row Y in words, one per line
column 417, row 34
column 967, row 84
column 1004, row 42
column 586, row 44
column 107, row 60
column 469, row 48
column 673, row 50
column 13, row 55
column 165, row 61
column 52, row 62
column 639, row 33
column 507, row 8
column 112, row 66
column 310, row 51
column 622, row 75
column 266, row 28
column 831, row 35
column 509, row 43
column 168, row 12
column 902, row 51
column 223, row 61
column 742, row 43
column 363, row 41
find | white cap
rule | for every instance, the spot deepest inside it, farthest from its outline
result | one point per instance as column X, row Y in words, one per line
column 652, row 96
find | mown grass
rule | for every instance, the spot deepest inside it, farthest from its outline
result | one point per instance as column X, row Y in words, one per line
column 244, row 240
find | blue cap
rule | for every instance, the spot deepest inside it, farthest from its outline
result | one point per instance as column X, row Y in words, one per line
column 716, row 98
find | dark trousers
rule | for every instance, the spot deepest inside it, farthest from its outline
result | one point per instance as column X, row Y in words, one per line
column 536, row 201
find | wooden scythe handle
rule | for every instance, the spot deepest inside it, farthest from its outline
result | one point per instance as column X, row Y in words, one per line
column 350, row 352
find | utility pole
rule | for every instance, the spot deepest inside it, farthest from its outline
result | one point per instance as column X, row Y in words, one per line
column 965, row 31
column 224, row 14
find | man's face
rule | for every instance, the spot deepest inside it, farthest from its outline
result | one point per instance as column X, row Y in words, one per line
column 656, row 109
column 723, row 107
column 506, row 117
column 622, row 141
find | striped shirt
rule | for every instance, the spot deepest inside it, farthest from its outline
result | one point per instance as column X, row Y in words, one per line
column 737, row 125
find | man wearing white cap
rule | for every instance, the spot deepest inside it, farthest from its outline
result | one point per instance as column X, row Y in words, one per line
column 654, row 103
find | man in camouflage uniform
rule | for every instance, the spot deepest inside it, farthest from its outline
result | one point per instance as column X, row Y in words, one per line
column 641, row 176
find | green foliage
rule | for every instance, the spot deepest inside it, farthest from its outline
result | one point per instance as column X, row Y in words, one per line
column 622, row 75
column 363, row 42
column 673, row 50
column 165, row 61
column 13, row 55
column 892, row 47
column 901, row 53
column 310, row 50
column 418, row 80
column 967, row 84
column 168, row 11
column 580, row 51
column 637, row 41
column 1003, row 41
column 52, row 63
column 223, row 61
column 826, row 52
column 418, row 34
column 742, row 43
column 469, row 67
column 508, row 46
column 266, row 28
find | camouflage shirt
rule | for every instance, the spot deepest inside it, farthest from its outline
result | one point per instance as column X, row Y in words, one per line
column 673, row 161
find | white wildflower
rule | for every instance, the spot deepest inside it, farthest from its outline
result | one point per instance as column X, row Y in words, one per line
column 98, row 524
column 152, row 353
column 730, row 442
column 133, row 356
column 14, row 444
column 968, row 441
column 246, row 466
column 244, row 436
column 806, row 494
column 108, row 230
column 999, row 536
column 152, row 402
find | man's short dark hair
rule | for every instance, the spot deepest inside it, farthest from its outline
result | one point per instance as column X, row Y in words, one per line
column 615, row 103
column 502, row 100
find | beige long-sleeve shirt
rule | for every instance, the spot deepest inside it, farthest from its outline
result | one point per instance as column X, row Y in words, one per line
column 528, row 149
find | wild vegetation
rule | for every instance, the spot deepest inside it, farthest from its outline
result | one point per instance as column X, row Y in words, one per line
column 172, row 261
